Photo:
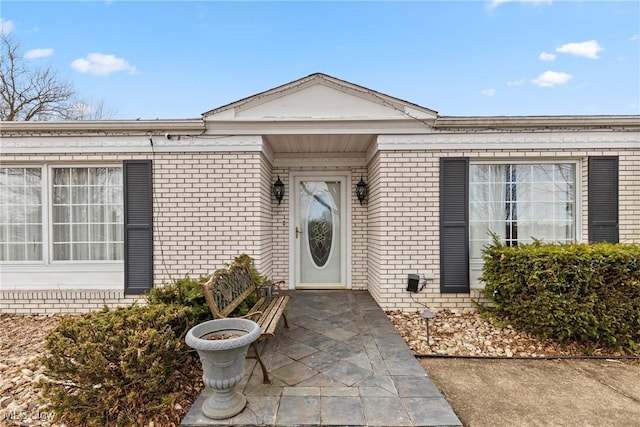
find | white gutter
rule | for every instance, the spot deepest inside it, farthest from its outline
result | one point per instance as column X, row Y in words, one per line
column 185, row 126
column 538, row 122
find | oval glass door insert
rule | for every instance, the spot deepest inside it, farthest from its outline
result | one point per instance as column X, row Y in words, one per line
column 319, row 230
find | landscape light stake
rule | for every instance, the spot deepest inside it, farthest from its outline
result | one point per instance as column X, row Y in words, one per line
column 426, row 315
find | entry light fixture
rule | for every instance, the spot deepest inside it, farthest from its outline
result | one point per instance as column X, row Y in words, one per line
column 361, row 190
column 278, row 190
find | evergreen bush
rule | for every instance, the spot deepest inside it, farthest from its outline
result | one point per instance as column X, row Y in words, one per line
column 118, row 367
column 126, row 366
column 185, row 292
column 583, row 293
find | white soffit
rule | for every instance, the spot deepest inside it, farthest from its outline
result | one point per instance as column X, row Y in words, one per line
column 349, row 143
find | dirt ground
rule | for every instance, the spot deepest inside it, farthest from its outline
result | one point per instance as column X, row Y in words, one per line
column 539, row 392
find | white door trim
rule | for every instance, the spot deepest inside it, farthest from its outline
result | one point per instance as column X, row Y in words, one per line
column 345, row 178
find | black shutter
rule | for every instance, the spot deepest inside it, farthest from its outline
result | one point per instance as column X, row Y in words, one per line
column 138, row 227
column 603, row 199
column 454, row 225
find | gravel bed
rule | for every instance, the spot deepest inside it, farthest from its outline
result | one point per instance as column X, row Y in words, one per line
column 21, row 343
column 463, row 333
column 467, row 333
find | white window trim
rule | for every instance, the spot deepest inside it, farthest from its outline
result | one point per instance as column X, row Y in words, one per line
column 476, row 264
column 49, row 274
column 44, row 207
column 49, row 210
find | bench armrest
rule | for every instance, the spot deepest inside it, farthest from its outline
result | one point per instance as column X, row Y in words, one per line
column 250, row 315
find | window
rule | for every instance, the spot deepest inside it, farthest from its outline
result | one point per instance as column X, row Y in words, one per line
column 521, row 202
column 84, row 208
column 87, row 214
column 20, row 214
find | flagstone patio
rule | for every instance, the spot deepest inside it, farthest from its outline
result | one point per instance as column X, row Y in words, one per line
column 341, row 362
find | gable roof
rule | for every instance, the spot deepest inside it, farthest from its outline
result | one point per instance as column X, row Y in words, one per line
column 320, row 96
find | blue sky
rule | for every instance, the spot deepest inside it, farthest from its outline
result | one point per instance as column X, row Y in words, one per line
column 172, row 60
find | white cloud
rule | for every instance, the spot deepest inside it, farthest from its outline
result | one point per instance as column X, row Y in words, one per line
column 102, row 65
column 495, row 3
column 545, row 56
column 515, row 82
column 551, row 79
column 488, row 92
column 38, row 53
column 6, row 27
column 633, row 37
column 588, row 49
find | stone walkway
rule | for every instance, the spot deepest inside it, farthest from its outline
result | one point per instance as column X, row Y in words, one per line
column 341, row 362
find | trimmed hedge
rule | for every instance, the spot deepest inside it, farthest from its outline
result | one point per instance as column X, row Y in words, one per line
column 583, row 293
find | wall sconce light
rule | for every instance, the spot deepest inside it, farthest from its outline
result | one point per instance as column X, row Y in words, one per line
column 278, row 190
column 361, row 190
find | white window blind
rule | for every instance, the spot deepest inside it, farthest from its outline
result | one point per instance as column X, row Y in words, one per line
column 521, row 202
column 20, row 214
column 87, row 216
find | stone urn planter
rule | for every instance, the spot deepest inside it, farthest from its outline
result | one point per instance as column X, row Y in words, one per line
column 222, row 345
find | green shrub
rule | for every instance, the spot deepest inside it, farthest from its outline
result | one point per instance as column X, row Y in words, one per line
column 185, row 292
column 589, row 294
column 116, row 367
column 246, row 259
column 129, row 365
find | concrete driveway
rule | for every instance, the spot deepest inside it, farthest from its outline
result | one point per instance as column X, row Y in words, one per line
column 539, row 392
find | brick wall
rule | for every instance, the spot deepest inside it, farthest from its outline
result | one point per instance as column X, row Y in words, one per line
column 264, row 257
column 208, row 208
column 629, row 195
column 404, row 210
column 58, row 301
column 211, row 206
column 280, row 228
column 359, row 231
column 376, row 227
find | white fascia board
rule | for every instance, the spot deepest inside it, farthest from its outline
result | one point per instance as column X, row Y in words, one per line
column 318, row 127
column 525, row 123
column 508, row 140
column 88, row 127
column 129, row 144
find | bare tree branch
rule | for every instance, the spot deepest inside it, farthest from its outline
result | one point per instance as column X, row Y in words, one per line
column 37, row 93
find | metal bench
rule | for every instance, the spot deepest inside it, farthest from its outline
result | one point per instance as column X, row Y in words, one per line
column 228, row 288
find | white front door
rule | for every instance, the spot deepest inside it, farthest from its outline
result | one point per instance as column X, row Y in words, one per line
column 320, row 229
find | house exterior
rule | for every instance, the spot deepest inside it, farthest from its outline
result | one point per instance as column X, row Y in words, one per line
column 98, row 212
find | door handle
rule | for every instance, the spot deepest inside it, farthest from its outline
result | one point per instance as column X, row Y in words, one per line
column 298, row 232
